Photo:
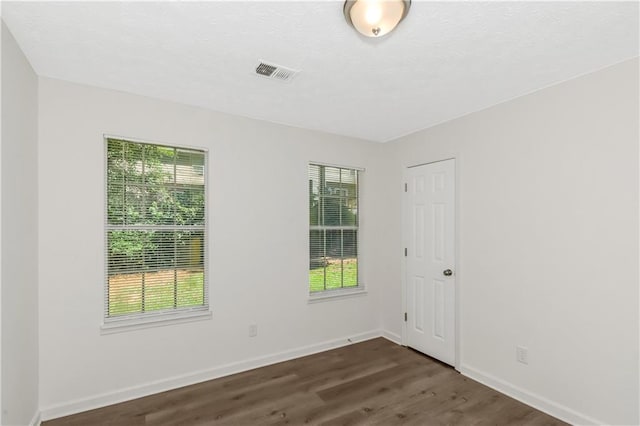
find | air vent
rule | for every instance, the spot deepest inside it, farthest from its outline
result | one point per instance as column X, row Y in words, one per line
column 275, row 72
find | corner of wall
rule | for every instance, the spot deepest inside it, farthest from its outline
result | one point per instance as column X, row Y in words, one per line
column 19, row 279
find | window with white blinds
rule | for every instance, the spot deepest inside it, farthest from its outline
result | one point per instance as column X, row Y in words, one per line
column 333, row 230
column 155, row 231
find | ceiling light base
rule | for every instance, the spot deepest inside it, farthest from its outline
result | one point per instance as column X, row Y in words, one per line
column 375, row 18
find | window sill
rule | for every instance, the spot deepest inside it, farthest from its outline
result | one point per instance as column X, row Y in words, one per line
column 119, row 326
column 327, row 295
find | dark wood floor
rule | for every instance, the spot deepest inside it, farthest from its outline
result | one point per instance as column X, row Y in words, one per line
column 370, row 383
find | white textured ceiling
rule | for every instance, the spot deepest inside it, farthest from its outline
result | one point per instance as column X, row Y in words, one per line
column 445, row 60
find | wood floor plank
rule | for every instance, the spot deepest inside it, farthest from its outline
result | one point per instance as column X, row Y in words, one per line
column 370, row 383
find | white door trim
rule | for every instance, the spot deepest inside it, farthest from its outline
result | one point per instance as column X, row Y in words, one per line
column 458, row 250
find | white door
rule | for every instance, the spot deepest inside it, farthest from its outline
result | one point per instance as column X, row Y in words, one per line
column 430, row 280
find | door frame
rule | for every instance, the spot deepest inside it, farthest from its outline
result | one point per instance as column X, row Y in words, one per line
column 457, row 251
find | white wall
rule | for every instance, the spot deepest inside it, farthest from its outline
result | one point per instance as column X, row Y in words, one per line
column 258, row 245
column 19, row 236
column 1, row 33
column 548, row 234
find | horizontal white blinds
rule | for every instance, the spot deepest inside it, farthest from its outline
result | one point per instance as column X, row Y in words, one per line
column 333, row 231
column 155, row 231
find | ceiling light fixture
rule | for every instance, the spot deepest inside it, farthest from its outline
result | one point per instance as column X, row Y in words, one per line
column 375, row 18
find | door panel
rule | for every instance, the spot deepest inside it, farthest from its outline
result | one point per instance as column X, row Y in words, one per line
column 430, row 232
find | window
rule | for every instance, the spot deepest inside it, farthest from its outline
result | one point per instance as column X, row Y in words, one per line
column 155, row 231
column 333, row 230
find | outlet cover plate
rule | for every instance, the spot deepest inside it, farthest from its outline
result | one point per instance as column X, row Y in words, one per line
column 253, row 330
column 522, row 354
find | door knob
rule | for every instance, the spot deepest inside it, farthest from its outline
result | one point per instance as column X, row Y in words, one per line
column 447, row 272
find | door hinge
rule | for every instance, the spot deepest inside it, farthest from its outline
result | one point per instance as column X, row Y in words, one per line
column 405, row 187
column 405, row 317
column 405, row 252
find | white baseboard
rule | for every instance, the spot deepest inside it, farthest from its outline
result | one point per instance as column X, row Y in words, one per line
column 393, row 337
column 35, row 420
column 536, row 401
column 109, row 398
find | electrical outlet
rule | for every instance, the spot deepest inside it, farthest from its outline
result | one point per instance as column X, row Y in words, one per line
column 253, row 330
column 522, row 354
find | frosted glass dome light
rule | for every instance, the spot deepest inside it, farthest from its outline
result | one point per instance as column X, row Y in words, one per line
column 375, row 18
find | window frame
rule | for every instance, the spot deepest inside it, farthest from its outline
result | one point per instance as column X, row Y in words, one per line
column 343, row 292
column 149, row 319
